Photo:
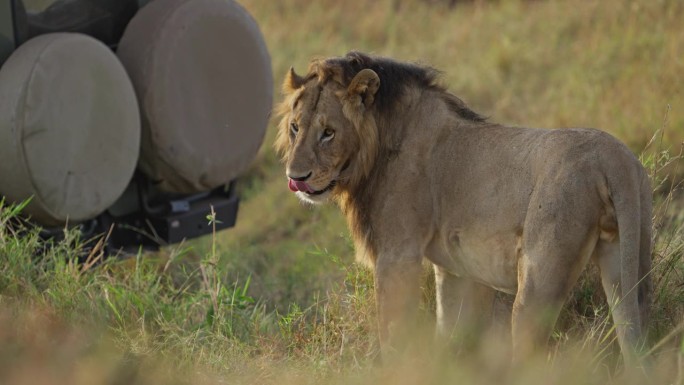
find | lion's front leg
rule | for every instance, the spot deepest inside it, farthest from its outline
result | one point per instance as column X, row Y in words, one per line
column 397, row 291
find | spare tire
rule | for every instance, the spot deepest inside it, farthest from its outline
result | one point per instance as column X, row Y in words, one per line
column 69, row 128
column 203, row 78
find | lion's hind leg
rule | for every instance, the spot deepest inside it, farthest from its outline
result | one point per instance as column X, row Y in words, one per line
column 556, row 249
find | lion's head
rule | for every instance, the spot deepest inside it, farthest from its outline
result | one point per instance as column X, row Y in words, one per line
column 327, row 135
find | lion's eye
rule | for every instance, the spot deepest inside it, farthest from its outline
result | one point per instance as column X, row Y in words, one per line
column 328, row 134
column 294, row 129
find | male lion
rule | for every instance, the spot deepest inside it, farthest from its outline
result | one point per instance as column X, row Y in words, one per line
column 420, row 175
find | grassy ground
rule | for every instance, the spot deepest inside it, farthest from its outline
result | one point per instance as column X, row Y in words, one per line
column 278, row 300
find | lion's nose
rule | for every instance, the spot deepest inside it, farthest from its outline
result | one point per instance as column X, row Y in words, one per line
column 299, row 178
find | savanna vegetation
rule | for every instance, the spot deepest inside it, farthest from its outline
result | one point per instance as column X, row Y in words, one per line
column 279, row 300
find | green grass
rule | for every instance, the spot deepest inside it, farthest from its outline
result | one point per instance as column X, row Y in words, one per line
column 278, row 299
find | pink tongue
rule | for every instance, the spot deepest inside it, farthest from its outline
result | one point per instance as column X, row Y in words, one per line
column 299, row 186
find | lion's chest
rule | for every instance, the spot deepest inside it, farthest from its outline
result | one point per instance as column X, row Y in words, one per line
column 487, row 258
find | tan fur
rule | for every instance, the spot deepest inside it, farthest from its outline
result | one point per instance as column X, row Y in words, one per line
column 420, row 175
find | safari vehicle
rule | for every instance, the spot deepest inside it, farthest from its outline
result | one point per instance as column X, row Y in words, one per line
column 130, row 117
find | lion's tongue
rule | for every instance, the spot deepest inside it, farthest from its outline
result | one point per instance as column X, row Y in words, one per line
column 299, row 186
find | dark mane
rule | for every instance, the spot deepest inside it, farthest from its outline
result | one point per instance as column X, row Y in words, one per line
column 395, row 77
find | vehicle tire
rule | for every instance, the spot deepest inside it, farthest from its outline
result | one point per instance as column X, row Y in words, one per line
column 69, row 128
column 203, row 78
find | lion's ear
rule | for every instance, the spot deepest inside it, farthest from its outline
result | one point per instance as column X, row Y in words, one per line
column 292, row 81
column 364, row 86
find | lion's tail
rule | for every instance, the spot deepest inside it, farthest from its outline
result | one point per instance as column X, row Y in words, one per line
column 633, row 213
column 645, row 248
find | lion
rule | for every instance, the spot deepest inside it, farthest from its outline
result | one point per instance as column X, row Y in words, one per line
column 419, row 175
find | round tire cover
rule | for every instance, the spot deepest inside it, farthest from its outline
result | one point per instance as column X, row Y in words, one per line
column 203, row 78
column 69, row 128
